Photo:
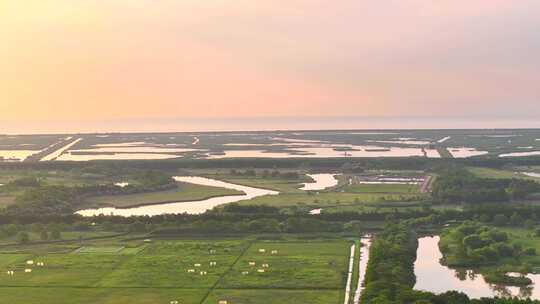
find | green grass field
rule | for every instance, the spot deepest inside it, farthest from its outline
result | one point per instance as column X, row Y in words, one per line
column 185, row 192
column 158, row 272
column 291, row 195
column 499, row 173
column 382, row 188
column 325, row 199
column 6, row 200
column 277, row 184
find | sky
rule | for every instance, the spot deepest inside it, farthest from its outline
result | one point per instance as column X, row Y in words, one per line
column 93, row 60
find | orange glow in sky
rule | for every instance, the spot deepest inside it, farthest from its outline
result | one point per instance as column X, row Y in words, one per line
column 87, row 59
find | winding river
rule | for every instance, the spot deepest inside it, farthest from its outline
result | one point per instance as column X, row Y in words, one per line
column 190, row 207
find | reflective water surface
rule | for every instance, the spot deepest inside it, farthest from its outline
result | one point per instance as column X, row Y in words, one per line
column 321, row 182
column 432, row 276
column 191, row 207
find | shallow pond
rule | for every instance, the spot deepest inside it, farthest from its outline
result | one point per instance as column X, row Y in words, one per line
column 432, row 276
column 520, row 154
column 115, row 156
column 463, row 152
column 16, row 155
column 191, row 207
column 531, row 174
column 320, row 182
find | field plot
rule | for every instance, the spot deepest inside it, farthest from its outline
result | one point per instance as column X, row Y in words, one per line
column 188, row 271
column 272, row 296
column 302, row 265
column 383, row 188
column 100, row 295
column 169, row 264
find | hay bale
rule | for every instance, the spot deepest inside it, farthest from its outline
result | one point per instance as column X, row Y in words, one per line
column 28, row 270
column 261, row 270
column 252, row 263
column 29, row 262
column 262, row 250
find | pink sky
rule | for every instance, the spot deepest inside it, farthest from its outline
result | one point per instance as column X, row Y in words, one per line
column 120, row 59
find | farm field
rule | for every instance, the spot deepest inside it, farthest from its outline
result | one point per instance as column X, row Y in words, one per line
column 6, row 200
column 382, row 188
column 501, row 173
column 188, row 271
column 326, row 199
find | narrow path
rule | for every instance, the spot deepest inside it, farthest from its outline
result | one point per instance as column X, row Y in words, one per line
column 226, row 272
column 54, row 155
column 426, row 185
column 349, row 276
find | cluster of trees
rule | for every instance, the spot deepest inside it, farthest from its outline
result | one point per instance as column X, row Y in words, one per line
column 42, row 200
column 266, row 174
column 390, row 274
column 458, row 185
column 473, row 244
column 21, row 233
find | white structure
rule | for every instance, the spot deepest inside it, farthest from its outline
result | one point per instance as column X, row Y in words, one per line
column 261, row 270
column 191, row 271
column 213, row 263
column 197, row 265
column 30, row 262
column 274, row 252
column 245, row 272
column 252, row 264
column 223, row 302
column 28, row 270
column 262, row 250
column 265, row 265
column 204, row 273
